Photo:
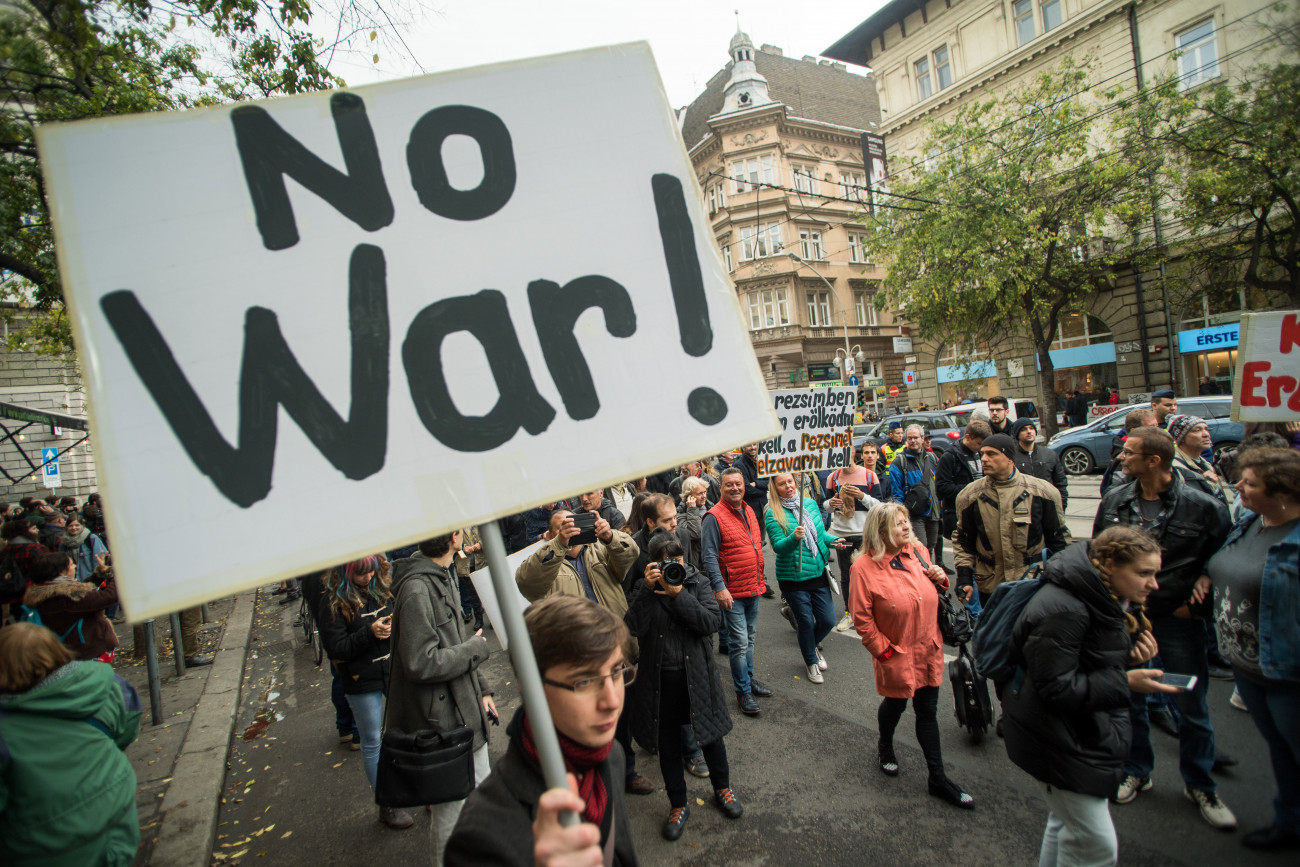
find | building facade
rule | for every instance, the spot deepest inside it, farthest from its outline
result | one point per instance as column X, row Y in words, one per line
column 929, row 58
column 777, row 148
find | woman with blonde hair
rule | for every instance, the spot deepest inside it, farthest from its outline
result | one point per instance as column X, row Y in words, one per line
column 355, row 622
column 894, row 600
column 1068, row 723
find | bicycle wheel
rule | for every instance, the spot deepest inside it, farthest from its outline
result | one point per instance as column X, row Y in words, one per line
column 305, row 620
column 317, row 650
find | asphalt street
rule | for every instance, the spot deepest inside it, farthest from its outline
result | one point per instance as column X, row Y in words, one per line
column 805, row 771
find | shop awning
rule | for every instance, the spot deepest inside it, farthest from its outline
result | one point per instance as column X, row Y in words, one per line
column 15, row 419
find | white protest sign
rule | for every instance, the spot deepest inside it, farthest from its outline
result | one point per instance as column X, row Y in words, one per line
column 487, row 592
column 1266, row 385
column 319, row 327
column 816, row 431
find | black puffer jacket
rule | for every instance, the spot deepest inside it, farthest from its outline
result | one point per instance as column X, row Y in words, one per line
column 1068, row 724
column 1192, row 527
column 953, row 473
column 352, row 646
column 678, row 628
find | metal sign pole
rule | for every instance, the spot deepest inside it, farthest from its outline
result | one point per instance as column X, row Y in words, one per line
column 799, row 496
column 525, row 663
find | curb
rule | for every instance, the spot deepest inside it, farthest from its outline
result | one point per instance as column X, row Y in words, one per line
column 193, row 799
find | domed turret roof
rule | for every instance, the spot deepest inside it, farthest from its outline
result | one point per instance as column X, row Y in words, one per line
column 741, row 38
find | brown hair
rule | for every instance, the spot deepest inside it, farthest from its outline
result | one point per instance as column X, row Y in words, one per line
column 1278, row 470
column 1155, row 442
column 635, row 515
column 1137, row 418
column 1122, row 546
column 29, row 653
column 569, row 630
column 978, row 430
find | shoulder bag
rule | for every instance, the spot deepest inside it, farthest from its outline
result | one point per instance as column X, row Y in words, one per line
column 425, row 767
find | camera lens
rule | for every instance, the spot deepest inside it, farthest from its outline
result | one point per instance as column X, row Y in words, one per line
column 674, row 573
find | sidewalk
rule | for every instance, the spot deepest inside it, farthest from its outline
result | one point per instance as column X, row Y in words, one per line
column 180, row 764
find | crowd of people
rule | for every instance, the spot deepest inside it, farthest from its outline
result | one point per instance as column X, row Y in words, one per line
column 1189, row 558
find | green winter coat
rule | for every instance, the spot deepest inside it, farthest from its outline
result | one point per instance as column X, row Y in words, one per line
column 787, row 545
column 67, row 792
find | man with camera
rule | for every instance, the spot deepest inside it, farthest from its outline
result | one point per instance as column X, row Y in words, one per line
column 597, row 503
column 586, row 557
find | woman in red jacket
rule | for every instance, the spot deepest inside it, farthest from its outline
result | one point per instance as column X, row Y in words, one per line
column 895, row 607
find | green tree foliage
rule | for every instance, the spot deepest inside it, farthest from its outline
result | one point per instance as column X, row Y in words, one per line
column 1230, row 163
column 63, row 60
column 1019, row 218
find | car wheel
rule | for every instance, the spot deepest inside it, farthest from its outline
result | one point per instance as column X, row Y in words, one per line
column 1077, row 461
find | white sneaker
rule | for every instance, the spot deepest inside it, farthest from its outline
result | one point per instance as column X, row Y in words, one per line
column 1213, row 811
column 845, row 624
column 1128, row 790
column 1237, row 701
column 815, row 674
column 821, row 660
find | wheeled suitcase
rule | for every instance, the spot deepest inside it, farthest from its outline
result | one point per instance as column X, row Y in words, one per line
column 970, row 695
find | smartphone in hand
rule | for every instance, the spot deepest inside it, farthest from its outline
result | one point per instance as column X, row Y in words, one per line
column 1185, row 682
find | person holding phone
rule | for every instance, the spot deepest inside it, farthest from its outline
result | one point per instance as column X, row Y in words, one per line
column 1084, row 638
column 355, row 620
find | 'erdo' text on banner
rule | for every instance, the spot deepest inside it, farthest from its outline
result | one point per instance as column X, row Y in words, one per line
column 816, row 431
column 318, row 327
column 1266, row 386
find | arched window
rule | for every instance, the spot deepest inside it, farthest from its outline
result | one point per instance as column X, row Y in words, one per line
column 1081, row 329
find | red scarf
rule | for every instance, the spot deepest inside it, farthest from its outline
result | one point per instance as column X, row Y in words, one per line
column 581, row 762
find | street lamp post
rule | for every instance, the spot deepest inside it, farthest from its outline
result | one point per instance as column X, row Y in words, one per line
column 844, row 317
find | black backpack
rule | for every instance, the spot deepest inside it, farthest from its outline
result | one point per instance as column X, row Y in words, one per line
column 917, row 499
column 13, row 580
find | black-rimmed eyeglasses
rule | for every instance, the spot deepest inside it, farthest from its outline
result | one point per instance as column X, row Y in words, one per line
column 593, row 685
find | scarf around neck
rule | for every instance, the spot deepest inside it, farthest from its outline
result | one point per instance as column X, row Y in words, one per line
column 582, row 762
column 75, row 540
column 809, row 528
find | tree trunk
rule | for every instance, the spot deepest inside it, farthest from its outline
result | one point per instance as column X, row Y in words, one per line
column 1046, row 392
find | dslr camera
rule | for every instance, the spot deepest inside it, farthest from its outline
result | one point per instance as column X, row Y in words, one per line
column 674, row 573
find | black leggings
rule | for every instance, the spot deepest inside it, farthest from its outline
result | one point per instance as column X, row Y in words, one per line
column 674, row 712
column 845, row 558
column 925, row 704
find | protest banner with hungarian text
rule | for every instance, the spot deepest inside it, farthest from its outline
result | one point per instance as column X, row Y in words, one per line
column 1266, row 385
column 816, row 431
column 318, row 327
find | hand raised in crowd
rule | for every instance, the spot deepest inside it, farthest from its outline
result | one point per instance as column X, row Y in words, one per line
column 1144, row 649
column 604, row 532
column 565, row 531
column 655, row 579
column 1200, row 590
column 1148, row 680
column 557, row 846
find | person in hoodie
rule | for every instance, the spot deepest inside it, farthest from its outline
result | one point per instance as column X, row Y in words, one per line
column 674, row 625
column 74, row 609
column 1067, row 724
column 67, row 791
column 435, row 682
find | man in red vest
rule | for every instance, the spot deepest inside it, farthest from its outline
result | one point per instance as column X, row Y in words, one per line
column 731, row 548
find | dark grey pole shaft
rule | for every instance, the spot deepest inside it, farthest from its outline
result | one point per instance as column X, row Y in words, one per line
column 799, row 497
column 525, row 663
column 151, row 666
column 178, row 646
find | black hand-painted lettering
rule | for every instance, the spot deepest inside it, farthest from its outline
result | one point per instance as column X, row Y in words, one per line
column 485, row 316
column 429, row 174
column 555, row 311
column 271, row 377
column 269, row 153
column 704, row 404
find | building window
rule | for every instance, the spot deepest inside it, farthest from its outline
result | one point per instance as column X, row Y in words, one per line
column 864, row 309
column 852, row 185
column 1199, row 57
column 858, row 249
column 1023, row 14
column 923, row 89
column 726, row 257
column 748, row 174
column 942, row 68
column 758, row 242
column 1079, row 329
column 1052, row 16
column 810, row 244
column 713, row 200
column 805, row 179
column 937, row 63
column 768, row 309
column 819, row 309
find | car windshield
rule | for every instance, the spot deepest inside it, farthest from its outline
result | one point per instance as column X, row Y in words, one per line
column 961, row 418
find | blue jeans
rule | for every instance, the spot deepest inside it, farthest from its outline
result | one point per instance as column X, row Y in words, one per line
column 741, row 622
column 1182, row 647
column 368, row 710
column 1276, row 713
column 814, row 614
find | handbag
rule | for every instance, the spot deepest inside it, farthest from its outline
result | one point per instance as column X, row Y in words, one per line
column 917, row 499
column 955, row 621
column 425, row 767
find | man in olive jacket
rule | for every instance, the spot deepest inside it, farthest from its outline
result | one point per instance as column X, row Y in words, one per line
column 435, row 682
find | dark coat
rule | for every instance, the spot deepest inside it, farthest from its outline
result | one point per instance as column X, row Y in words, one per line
column 953, row 474
column 687, row 621
column 352, row 646
column 74, row 610
column 496, row 824
column 755, row 488
column 636, row 572
column 1043, row 464
column 1068, row 724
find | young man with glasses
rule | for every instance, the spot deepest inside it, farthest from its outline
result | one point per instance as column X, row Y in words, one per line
column 1190, row 526
column 583, row 653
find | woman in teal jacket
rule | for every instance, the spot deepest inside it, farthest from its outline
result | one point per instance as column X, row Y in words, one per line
column 67, row 791
column 802, row 556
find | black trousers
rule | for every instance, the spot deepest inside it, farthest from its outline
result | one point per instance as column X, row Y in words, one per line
column 674, row 712
column 844, row 556
column 925, row 704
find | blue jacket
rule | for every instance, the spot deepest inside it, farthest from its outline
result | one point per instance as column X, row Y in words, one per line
column 907, row 470
column 87, row 556
column 1279, row 603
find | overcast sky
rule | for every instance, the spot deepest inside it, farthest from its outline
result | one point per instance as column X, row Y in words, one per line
column 689, row 37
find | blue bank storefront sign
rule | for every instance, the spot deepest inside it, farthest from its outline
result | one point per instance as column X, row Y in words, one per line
column 1208, row 339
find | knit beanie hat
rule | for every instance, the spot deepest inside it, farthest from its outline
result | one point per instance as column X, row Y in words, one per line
column 1002, row 443
column 1180, row 426
column 1021, row 423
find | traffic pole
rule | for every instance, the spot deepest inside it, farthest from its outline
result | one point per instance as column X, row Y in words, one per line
column 525, row 663
column 151, row 666
column 178, row 649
